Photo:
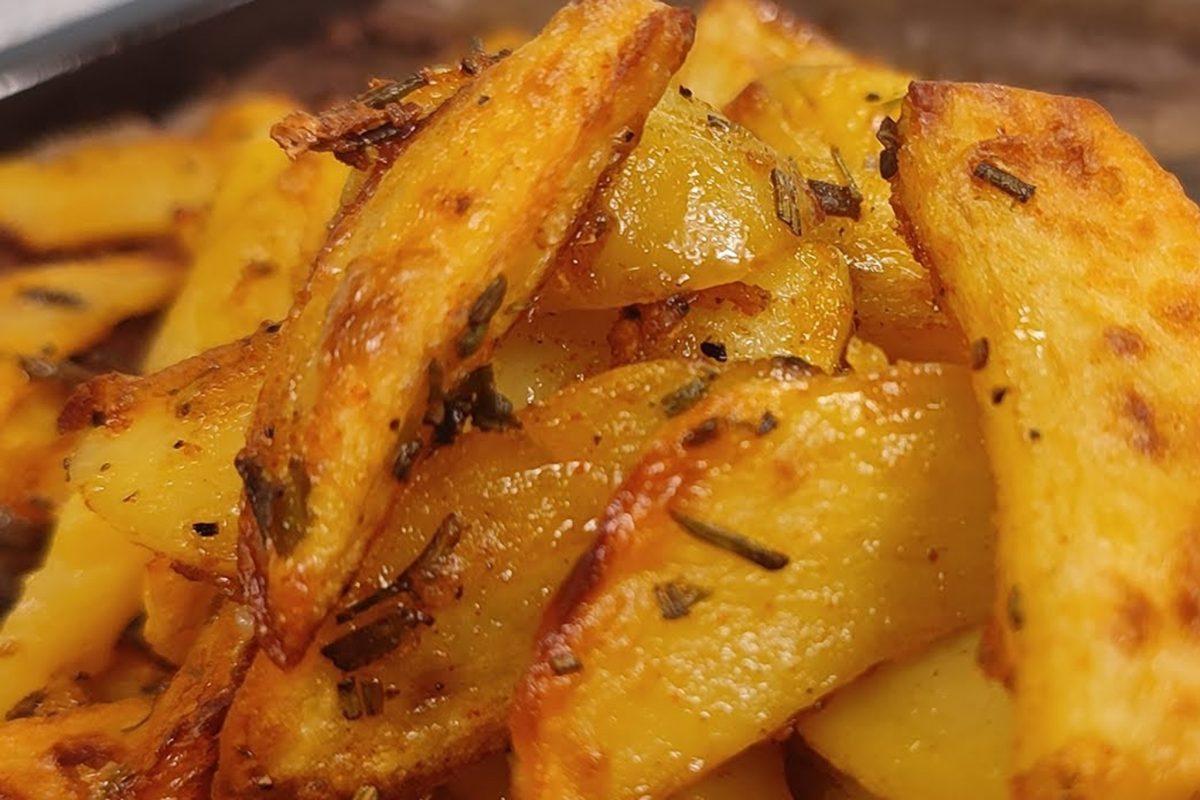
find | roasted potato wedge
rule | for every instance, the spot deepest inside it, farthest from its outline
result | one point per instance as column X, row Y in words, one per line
column 825, row 118
column 778, row 540
column 1071, row 259
column 738, row 41
column 526, row 501
column 929, row 727
column 268, row 220
column 33, row 482
column 159, row 467
column 360, row 340
column 73, row 608
column 176, row 610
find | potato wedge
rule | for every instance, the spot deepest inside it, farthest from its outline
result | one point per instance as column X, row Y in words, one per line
column 808, row 113
column 738, row 41
column 526, row 500
column 33, row 482
column 695, row 205
column 268, row 220
column 360, row 340
column 547, row 352
column 73, row 608
column 176, row 610
column 866, row 502
column 159, row 467
column 1072, row 261
column 929, row 727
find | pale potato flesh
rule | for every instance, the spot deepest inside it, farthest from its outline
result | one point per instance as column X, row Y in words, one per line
column 928, row 727
column 479, row 195
column 875, row 488
column 1087, row 295
column 528, row 500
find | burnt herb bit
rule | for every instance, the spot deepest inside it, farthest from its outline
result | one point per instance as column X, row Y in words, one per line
column 49, row 296
column 981, row 349
column 480, row 315
column 787, row 209
column 686, row 396
column 685, row 92
column 372, row 696
column 1015, row 608
column 1004, row 181
column 373, row 641
column 718, row 123
column 888, row 136
column 406, row 456
column 714, row 350
column 676, row 598
column 767, row 423
column 205, row 529
column 736, row 543
column 27, row 706
column 836, row 200
column 388, row 92
column 704, row 432
column 564, row 662
column 998, row 394
column 348, row 698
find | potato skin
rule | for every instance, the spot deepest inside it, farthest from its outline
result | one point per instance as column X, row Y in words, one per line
column 622, row 698
column 481, row 195
column 1086, row 294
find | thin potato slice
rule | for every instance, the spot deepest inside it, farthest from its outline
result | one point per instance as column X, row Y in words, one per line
column 695, row 205
column 477, row 203
column 1072, row 261
column 268, row 220
column 526, row 501
column 738, row 41
column 866, row 504
column 73, row 608
column 930, row 727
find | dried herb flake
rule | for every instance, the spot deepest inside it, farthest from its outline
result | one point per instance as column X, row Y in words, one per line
column 676, row 598
column 686, row 396
column 714, row 350
column 375, row 640
column 980, row 351
column 836, row 200
column 205, row 529
column 1004, row 181
column 736, row 543
column 787, row 209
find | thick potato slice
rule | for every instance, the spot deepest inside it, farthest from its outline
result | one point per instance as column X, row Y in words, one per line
column 159, row 466
column 527, row 501
column 694, row 205
column 1072, row 261
column 141, row 748
column 930, row 727
column 268, row 220
column 738, row 41
column 809, row 113
column 853, row 528
column 437, row 257
column 73, row 608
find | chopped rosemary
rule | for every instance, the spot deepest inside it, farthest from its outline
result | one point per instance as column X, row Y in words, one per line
column 704, row 432
column 783, row 183
column 27, row 706
column 373, row 641
column 52, row 297
column 1004, row 181
column 564, row 662
column 406, row 456
column 393, row 91
column 205, row 529
column 714, row 350
column 888, row 136
column 480, row 315
column 686, row 396
column 736, row 543
column 676, row 598
column 348, row 699
column 280, row 509
column 766, row 424
column 836, row 200
column 980, row 350
column 372, row 696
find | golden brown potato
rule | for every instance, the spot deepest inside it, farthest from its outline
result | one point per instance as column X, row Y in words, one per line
column 268, row 220
column 159, row 466
column 738, row 41
column 811, row 777
column 73, row 608
column 176, row 610
column 1072, row 261
column 526, row 501
column 341, row 402
column 757, row 773
column 929, row 727
column 778, row 540
column 32, row 483
column 546, row 352
column 809, row 113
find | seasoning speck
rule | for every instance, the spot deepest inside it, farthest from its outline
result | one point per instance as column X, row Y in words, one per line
column 686, row 396
column 998, row 395
column 564, row 662
column 766, row 424
column 980, row 350
column 205, row 529
column 676, row 598
column 714, row 350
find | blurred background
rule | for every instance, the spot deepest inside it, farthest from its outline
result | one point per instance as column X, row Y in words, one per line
column 71, row 63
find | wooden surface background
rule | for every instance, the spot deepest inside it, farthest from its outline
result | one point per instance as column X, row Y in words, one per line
column 1140, row 58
